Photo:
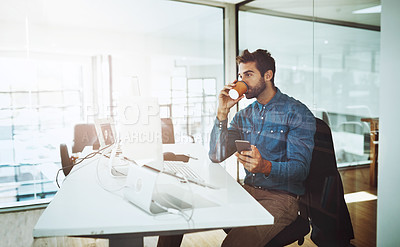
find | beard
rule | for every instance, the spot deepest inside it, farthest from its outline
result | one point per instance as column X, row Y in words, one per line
column 253, row 92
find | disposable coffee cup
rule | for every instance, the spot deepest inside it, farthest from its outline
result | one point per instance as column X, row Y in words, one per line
column 238, row 90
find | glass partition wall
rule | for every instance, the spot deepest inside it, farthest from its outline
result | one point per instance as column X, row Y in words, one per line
column 63, row 63
column 68, row 62
column 327, row 56
column 332, row 67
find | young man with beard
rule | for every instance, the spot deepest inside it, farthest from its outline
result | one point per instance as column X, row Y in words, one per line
column 281, row 132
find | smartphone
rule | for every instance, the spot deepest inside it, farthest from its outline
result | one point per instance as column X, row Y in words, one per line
column 242, row 145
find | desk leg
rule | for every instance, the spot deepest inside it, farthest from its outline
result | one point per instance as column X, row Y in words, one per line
column 126, row 242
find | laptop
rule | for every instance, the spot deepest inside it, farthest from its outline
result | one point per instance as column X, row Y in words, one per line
column 141, row 142
column 141, row 138
column 140, row 190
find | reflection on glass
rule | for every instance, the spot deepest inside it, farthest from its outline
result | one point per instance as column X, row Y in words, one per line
column 71, row 98
column 347, row 87
column 195, row 87
column 210, row 86
column 332, row 69
column 157, row 45
column 25, row 117
column 24, row 99
column 5, row 99
column 50, row 99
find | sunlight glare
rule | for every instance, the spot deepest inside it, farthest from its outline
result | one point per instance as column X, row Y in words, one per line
column 360, row 196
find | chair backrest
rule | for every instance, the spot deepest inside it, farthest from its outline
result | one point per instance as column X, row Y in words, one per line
column 167, row 130
column 327, row 209
column 66, row 162
column 84, row 135
column 323, row 201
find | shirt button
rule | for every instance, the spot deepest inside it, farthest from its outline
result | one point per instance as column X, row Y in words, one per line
column 262, row 117
column 258, row 132
column 272, row 131
column 281, row 131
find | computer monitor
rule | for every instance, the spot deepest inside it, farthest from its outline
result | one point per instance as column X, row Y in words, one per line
column 140, row 131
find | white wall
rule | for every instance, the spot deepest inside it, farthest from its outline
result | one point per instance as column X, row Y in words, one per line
column 388, row 219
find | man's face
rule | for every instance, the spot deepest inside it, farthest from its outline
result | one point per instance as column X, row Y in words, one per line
column 249, row 73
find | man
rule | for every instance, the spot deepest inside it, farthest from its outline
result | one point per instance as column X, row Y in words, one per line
column 281, row 131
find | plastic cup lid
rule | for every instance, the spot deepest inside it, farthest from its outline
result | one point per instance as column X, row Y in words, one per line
column 233, row 94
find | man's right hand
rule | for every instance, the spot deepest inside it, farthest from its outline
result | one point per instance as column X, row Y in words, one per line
column 225, row 102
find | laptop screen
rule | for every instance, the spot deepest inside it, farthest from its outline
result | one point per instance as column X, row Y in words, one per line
column 105, row 131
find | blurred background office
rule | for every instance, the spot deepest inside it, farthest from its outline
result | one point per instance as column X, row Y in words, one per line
column 63, row 63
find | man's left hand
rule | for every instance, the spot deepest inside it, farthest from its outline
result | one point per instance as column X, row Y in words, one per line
column 253, row 162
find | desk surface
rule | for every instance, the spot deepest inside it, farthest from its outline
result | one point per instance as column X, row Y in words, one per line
column 82, row 207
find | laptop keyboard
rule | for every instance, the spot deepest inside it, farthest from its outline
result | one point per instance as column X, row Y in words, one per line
column 179, row 167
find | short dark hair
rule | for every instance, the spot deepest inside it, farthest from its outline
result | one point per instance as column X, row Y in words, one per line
column 263, row 59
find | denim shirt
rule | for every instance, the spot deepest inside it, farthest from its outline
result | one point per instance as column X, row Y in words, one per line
column 282, row 130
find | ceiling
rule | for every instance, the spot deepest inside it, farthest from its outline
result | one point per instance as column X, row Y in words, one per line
column 165, row 18
column 128, row 15
column 119, row 15
column 329, row 11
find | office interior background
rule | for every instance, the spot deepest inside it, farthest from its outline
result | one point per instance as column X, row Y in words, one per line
column 69, row 62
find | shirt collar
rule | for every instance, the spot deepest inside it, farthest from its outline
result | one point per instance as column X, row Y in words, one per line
column 274, row 99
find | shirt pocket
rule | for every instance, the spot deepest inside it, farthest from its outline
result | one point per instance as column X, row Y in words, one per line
column 274, row 140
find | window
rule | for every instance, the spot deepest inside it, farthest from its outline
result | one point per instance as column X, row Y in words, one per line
column 64, row 63
column 41, row 100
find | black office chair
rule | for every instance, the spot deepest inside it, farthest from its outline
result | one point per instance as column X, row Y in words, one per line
column 84, row 135
column 66, row 161
column 323, row 206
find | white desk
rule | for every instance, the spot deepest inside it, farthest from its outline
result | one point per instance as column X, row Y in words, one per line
column 83, row 208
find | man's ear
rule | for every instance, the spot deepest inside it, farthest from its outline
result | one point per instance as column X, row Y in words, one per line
column 268, row 75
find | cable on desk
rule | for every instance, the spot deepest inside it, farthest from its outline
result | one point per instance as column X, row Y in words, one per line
column 173, row 209
column 112, row 156
column 78, row 161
